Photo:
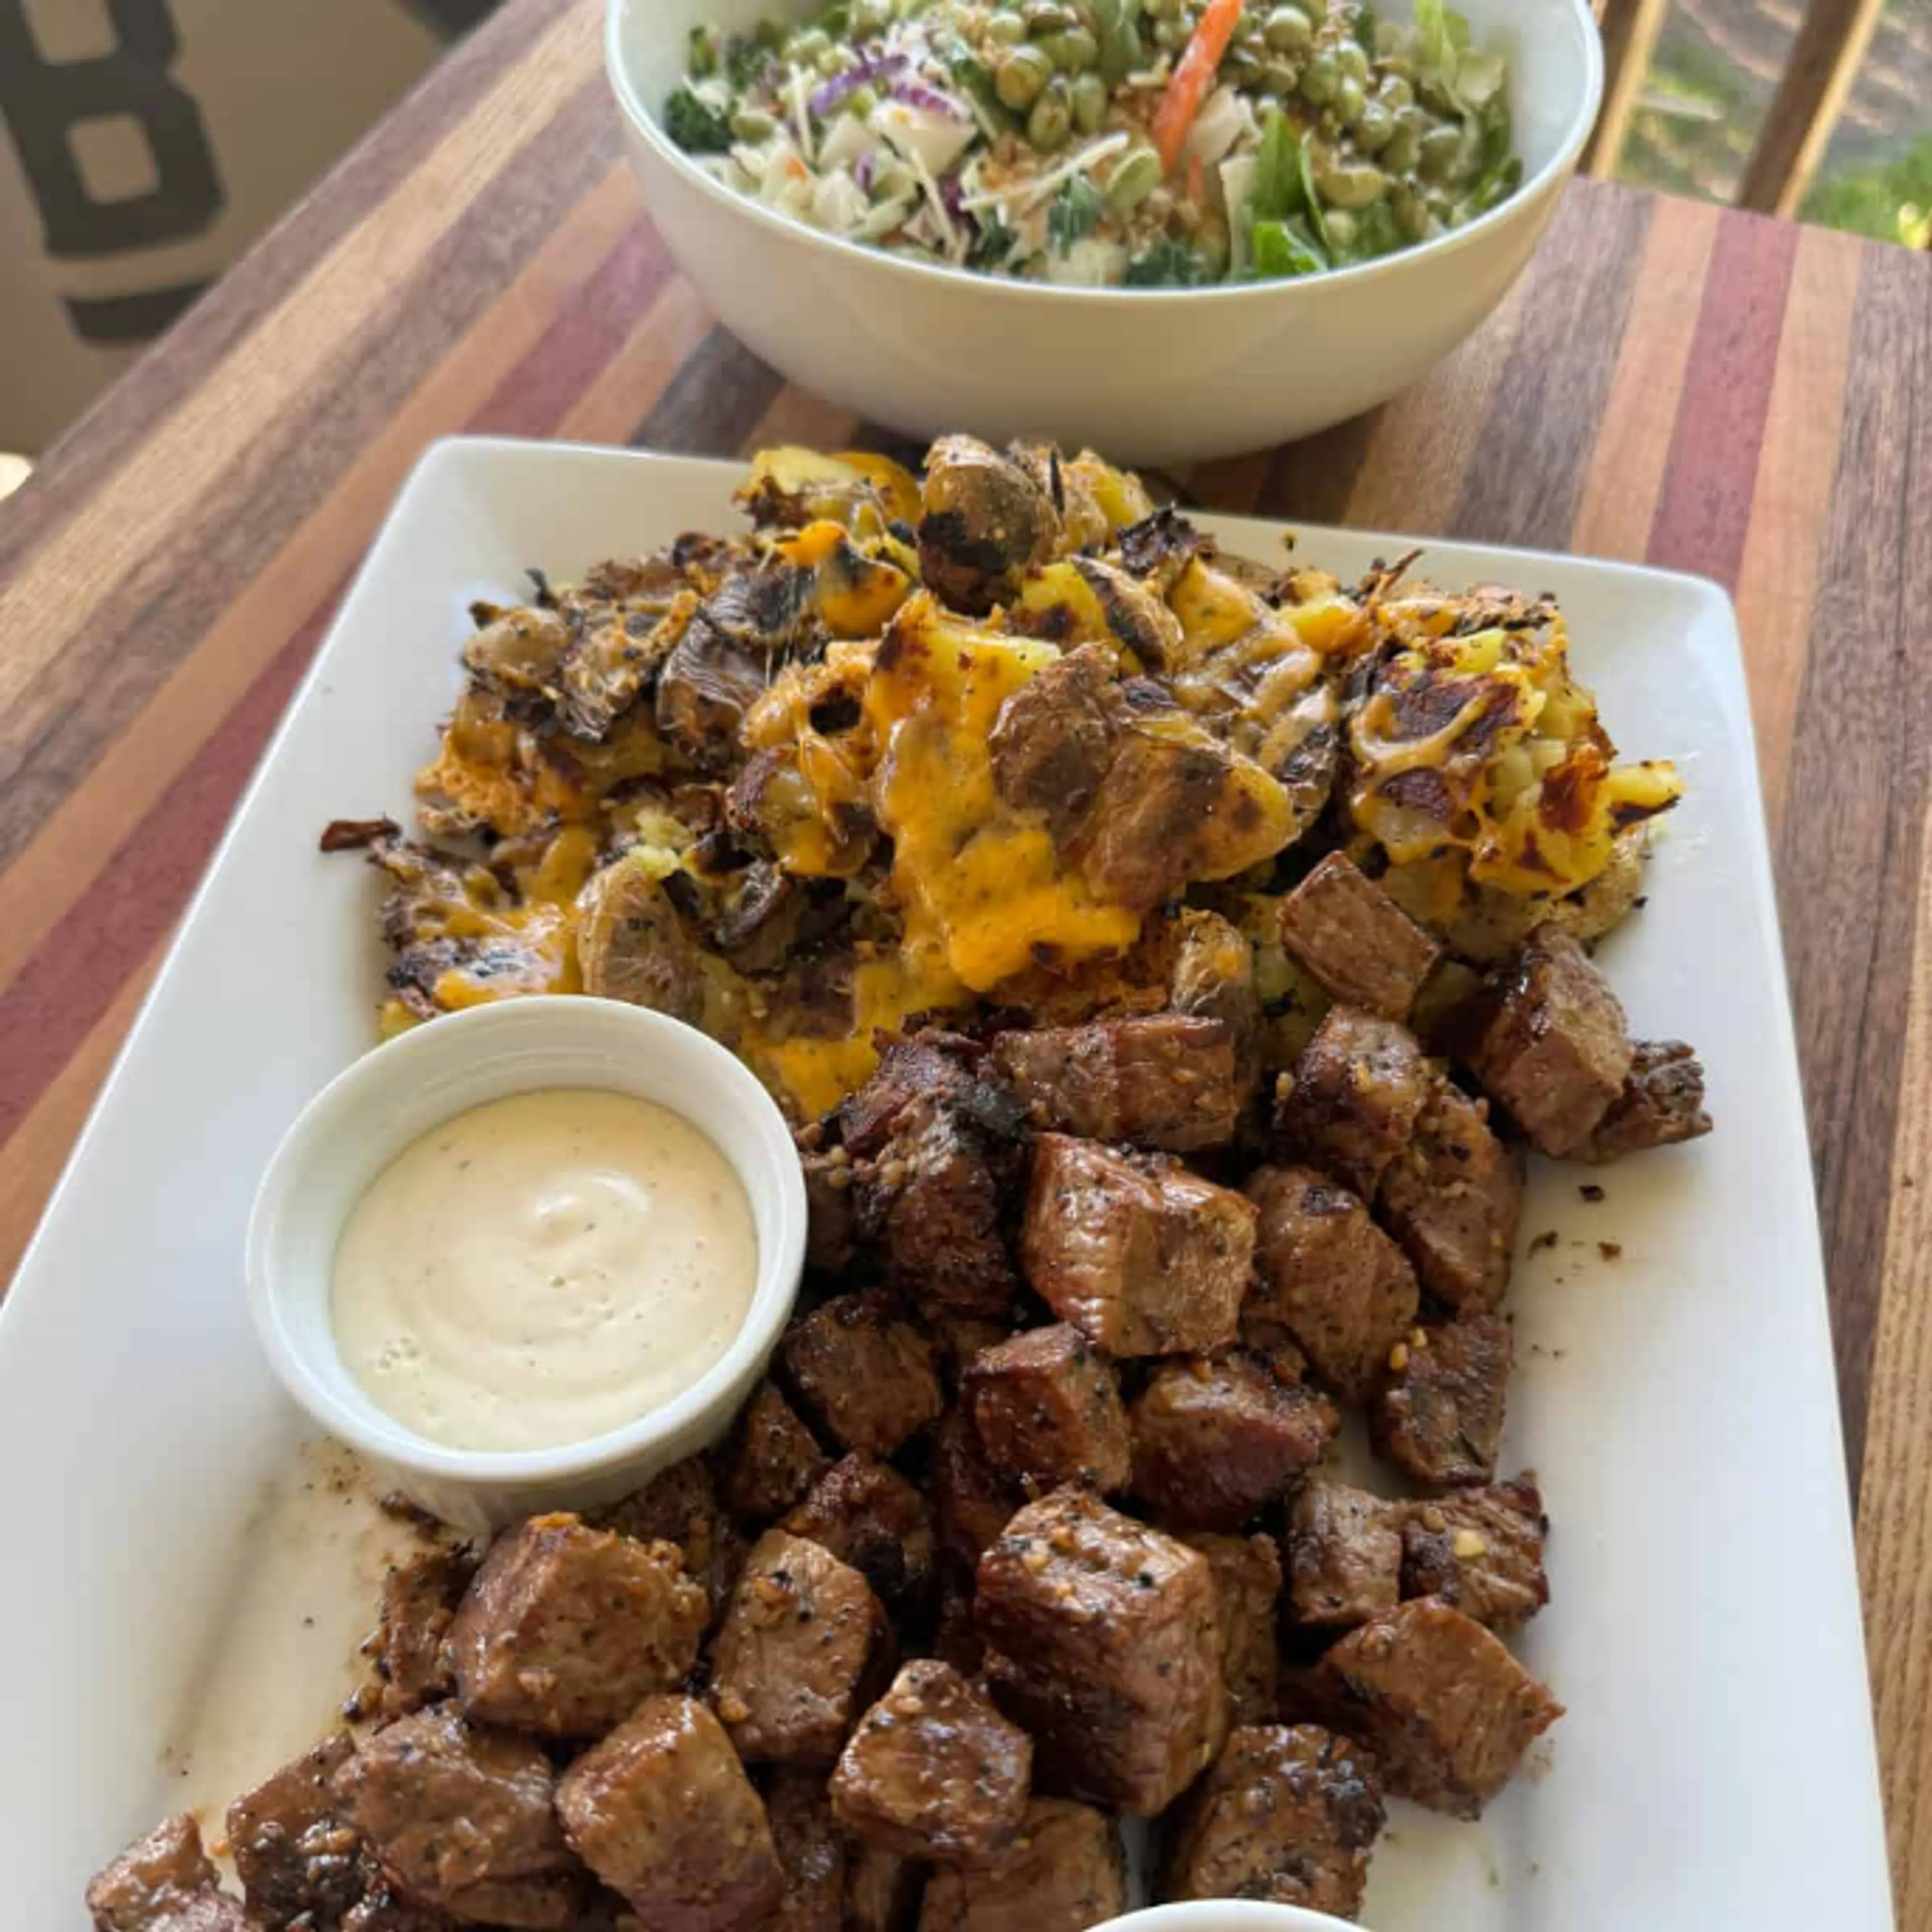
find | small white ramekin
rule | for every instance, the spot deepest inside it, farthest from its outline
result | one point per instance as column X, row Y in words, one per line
column 365, row 1117
column 1226, row 1915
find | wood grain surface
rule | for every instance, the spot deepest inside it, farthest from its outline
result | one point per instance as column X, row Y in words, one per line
column 1713, row 391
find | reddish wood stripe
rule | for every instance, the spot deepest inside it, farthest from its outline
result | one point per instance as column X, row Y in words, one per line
column 1849, row 870
column 76, row 975
column 1705, row 514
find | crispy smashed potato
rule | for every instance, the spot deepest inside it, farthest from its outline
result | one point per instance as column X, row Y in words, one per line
column 963, row 745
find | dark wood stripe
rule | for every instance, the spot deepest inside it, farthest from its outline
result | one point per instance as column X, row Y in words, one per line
column 1703, row 515
column 86, row 697
column 1849, row 858
column 1311, row 481
column 101, row 441
column 74, row 976
column 531, row 400
column 1526, row 475
column 713, row 403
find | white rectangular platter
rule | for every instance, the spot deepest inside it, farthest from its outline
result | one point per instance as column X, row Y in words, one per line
column 184, row 1585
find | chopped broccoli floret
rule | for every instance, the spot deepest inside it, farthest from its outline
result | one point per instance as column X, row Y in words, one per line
column 696, row 128
column 1168, row 264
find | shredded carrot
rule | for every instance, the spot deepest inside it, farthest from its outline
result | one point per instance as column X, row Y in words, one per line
column 1193, row 79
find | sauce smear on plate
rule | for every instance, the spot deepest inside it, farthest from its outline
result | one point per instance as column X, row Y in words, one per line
column 542, row 1269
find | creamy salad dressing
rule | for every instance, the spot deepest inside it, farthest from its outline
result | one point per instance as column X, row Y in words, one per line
column 542, row 1269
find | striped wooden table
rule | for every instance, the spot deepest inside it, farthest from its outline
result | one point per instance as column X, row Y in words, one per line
column 1705, row 390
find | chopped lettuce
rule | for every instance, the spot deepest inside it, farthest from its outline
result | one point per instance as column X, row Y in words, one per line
column 1282, row 249
column 993, row 246
column 1470, row 77
column 1280, row 186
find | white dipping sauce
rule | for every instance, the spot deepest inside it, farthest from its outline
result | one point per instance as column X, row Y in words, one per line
column 542, row 1269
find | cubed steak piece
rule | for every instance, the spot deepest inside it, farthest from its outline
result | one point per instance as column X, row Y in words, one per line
column 1288, row 1814
column 1344, row 1556
column 933, row 1771
column 566, row 1627
column 1046, row 1408
column 1452, row 1197
column 300, row 1863
column 811, row 1853
column 1065, row 1872
column 863, row 1371
column 462, row 1818
column 1216, row 1438
column 794, row 1660
column 771, row 1459
column 384, row 1908
column 1364, row 949
column 961, row 1337
column 420, row 1595
column 165, row 1883
column 1549, row 1042
column 882, row 1889
column 867, row 1515
column 1142, row 1256
column 831, row 1209
column 1213, row 979
column 1104, row 1640
column 938, row 1142
column 971, row 1504
column 1446, row 1709
column 1329, row 1276
column 680, row 1505
column 1247, row 1588
column 1479, row 1551
column 1662, row 1103
column 1351, row 1104
column 1438, row 1414
column 662, row 1812
column 1160, row 1080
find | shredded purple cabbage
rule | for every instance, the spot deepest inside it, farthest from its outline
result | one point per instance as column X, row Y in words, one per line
column 836, row 91
column 863, row 170
column 917, row 93
column 954, row 196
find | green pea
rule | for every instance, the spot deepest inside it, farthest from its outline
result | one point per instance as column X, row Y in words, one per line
column 1048, row 16
column 1166, row 10
column 1279, row 75
column 1394, row 93
column 861, row 101
column 1050, row 122
column 1375, row 127
column 870, row 17
column 1073, row 51
column 1006, row 30
column 806, row 47
column 1289, row 30
column 1320, row 78
column 753, row 124
column 1342, row 226
column 1350, row 57
column 1021, row 76
column 1350, row 185
column 1350, row 101
column 1088, row 100
column 1411, row 211
column 1172, row 35
column 1135, row 176
column 1402, row 150
column 1441, row 146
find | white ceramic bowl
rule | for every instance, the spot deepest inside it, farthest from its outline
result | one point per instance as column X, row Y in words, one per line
column 366, row 1116
column 1143, row 375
